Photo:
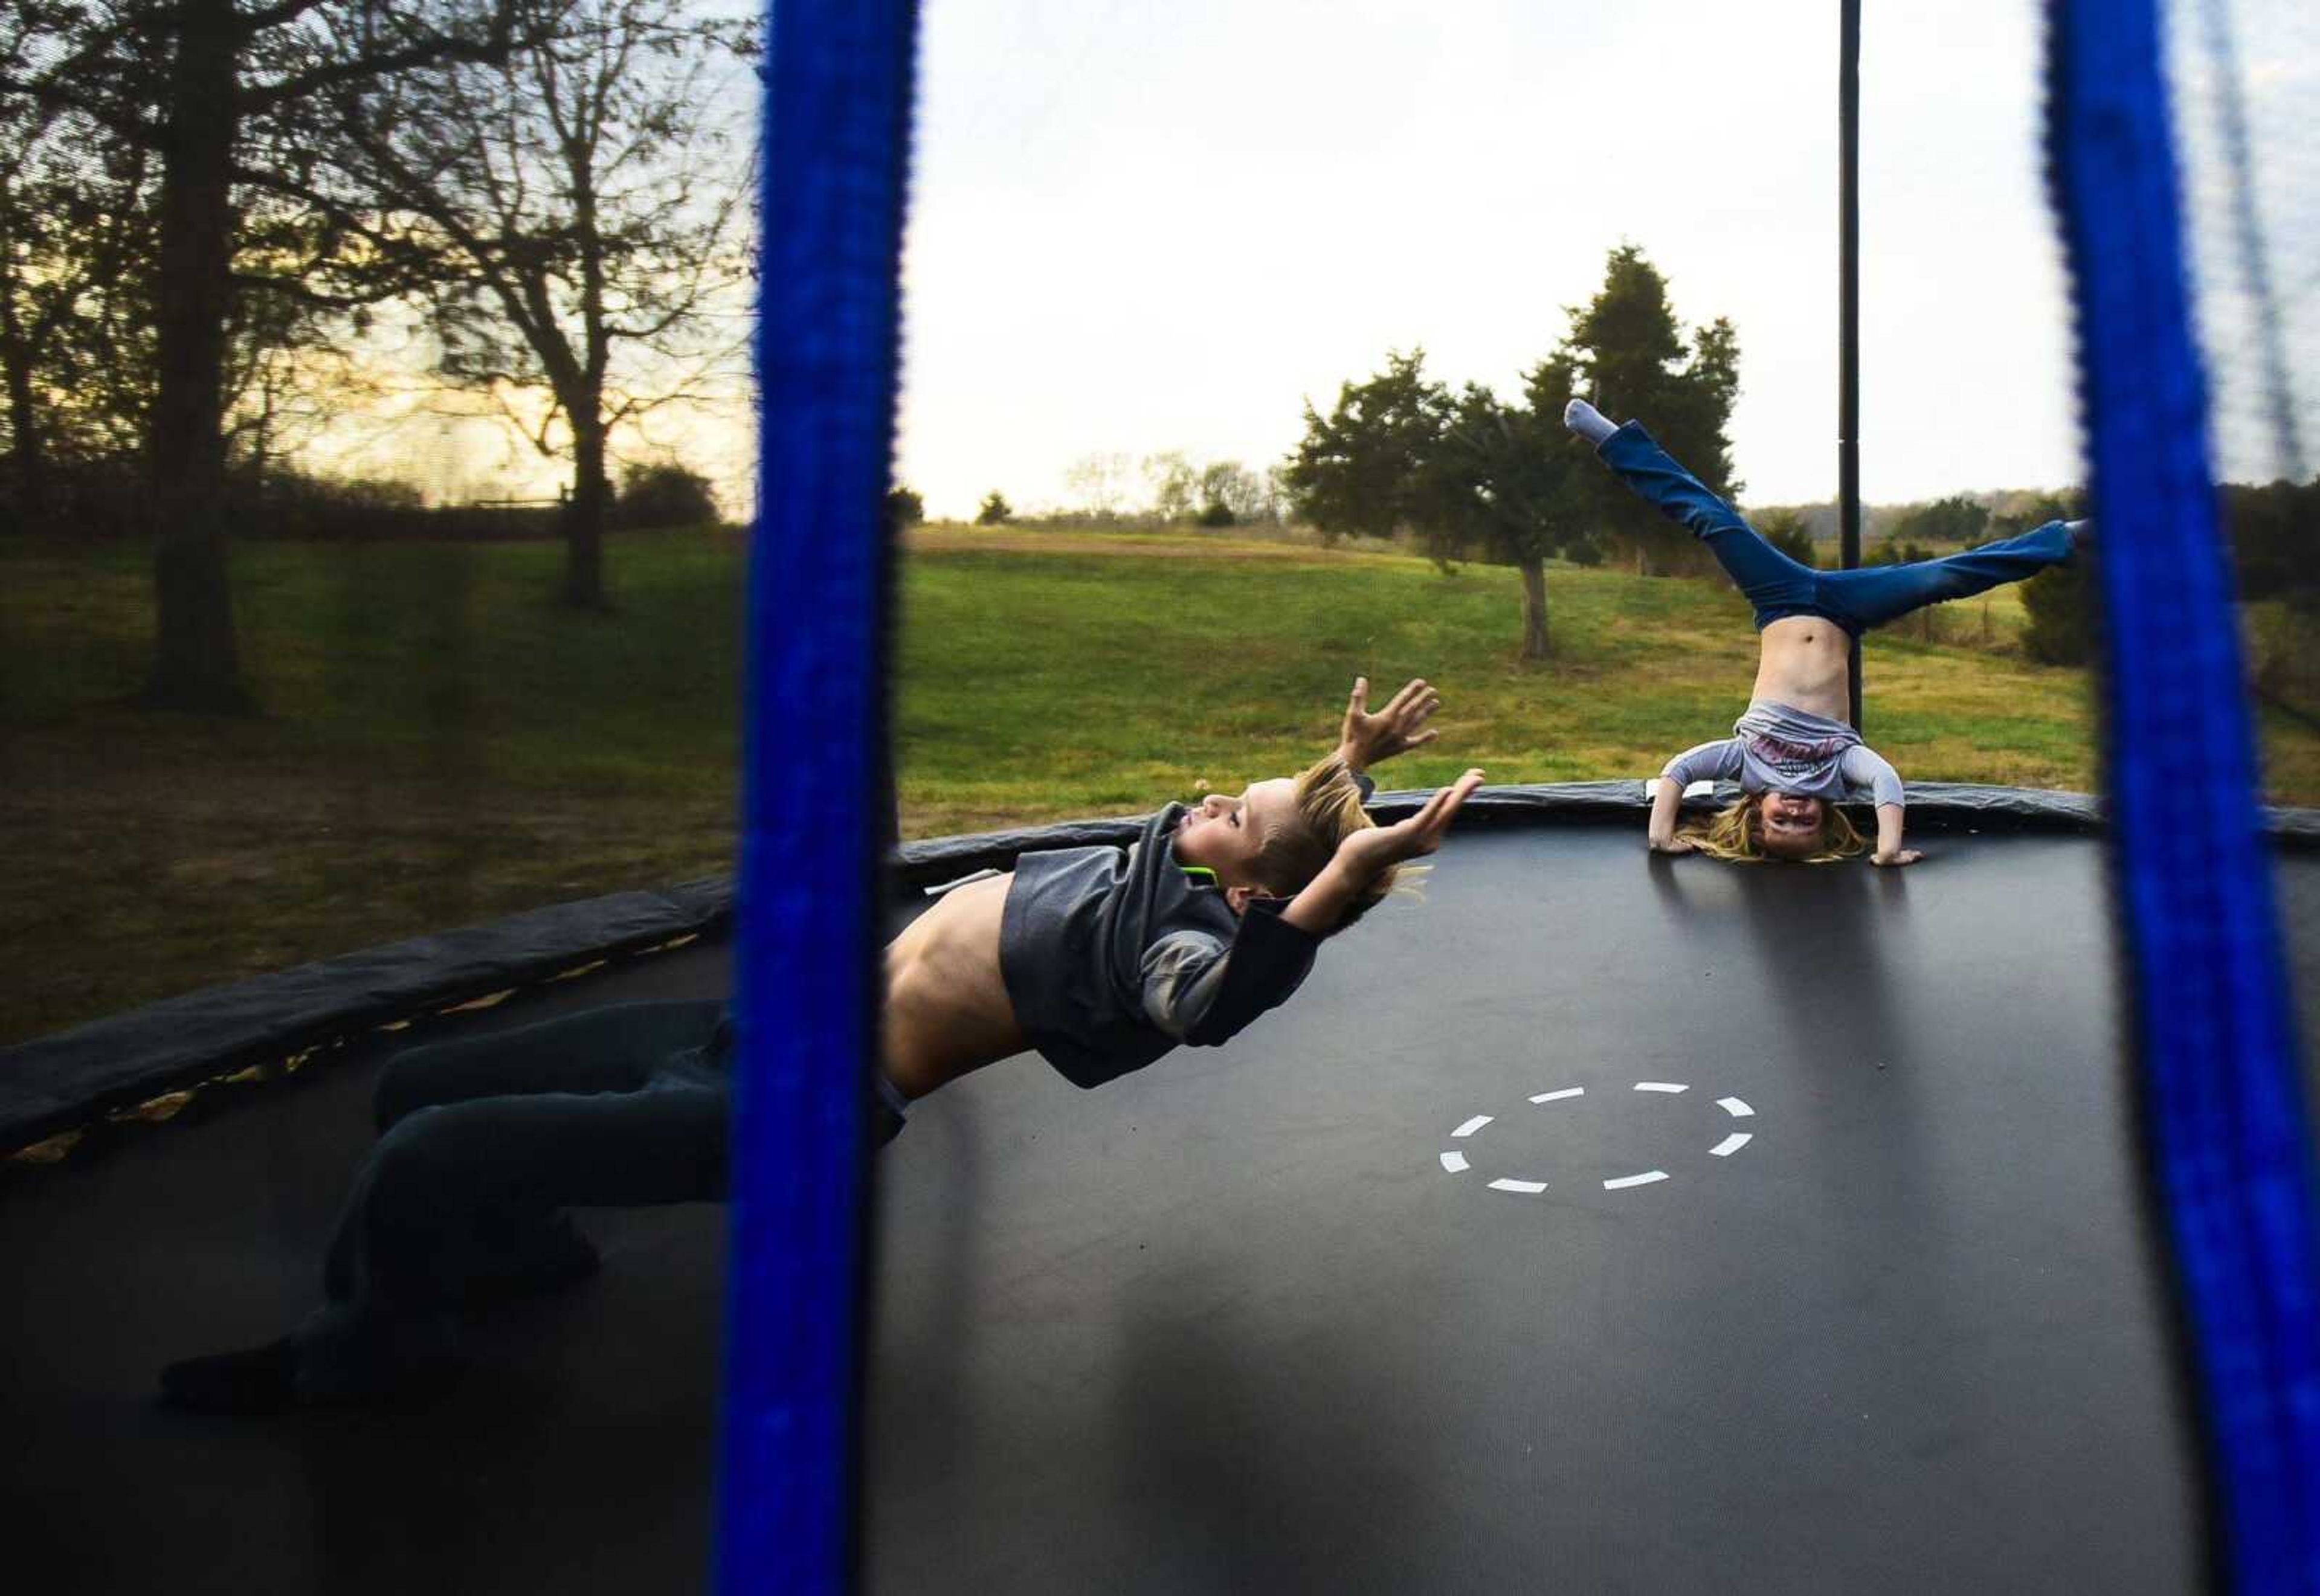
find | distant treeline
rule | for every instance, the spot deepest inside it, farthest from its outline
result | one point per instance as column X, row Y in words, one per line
column 97, row 500
column 2271, row 529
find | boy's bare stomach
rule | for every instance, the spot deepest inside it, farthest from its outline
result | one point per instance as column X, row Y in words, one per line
column 947, row 1010
column 1806, row 663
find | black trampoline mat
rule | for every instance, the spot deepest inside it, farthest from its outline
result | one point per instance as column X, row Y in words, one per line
column 1232, row 1324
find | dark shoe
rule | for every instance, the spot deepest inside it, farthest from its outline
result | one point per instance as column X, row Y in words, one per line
column 274, row 1379
column 262, row 1380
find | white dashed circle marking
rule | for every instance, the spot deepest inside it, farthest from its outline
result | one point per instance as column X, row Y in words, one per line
column 1457, row 1162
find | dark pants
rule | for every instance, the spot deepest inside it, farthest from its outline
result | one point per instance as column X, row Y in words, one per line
column 1778, row 587
column 485, row 1142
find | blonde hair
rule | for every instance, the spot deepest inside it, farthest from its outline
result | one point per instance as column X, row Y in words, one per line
column 1328, row 811
column 1737, row 832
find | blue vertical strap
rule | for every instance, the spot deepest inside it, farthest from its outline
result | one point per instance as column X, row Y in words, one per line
column 2223, row 1111
column 838, row 109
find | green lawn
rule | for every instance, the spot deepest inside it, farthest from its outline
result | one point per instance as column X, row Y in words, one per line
column 441, row 744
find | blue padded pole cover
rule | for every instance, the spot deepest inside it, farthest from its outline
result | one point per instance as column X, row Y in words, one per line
column 837, row 108
column 2223, row 1118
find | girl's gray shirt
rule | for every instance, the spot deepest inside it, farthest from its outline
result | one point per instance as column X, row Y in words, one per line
column 1776, row 748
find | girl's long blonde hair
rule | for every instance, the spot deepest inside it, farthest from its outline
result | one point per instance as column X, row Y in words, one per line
column 1737, row 832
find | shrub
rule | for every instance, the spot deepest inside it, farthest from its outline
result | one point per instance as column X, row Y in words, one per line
column 1784, row 529
column 995, row 511
column 1892, row 553
column 2270, row 529
column 95, row 497
column 664, row 495
column 2060, row 605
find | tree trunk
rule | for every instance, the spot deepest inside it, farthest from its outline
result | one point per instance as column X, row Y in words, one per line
column 584, row 546
column 1534, row 585
column 583, row 516
column 195, row 665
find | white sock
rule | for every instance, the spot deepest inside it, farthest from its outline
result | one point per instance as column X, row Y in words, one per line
column 1588, row 421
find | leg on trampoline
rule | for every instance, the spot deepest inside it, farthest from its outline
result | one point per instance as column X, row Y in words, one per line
column 429, row 1209
column 468, row 1189
column 1875, row 594
column 1774, row 583
column 611, row 1049
column 614, row 1049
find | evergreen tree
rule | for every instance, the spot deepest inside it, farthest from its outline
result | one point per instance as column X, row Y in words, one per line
column 1501, row 484
column 1630, row 358
column 1358, row 470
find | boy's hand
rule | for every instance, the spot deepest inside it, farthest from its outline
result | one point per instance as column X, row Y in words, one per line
column 1897, row 857
column 1366, row 738
column 1319, row 911
column 1370, row 850
column 1677, row 844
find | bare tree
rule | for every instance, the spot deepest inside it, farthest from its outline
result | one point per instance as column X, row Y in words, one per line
column 1101, row 482
column 1174, row 483
column 1232, row 488
column 574, row 216
column 202, row 85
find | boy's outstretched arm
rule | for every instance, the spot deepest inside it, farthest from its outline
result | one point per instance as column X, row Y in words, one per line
column 1363, row 857
column 1366, row 738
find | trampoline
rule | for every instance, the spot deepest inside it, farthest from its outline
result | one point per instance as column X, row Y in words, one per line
column 1606, row 1223
column 1286, row 1314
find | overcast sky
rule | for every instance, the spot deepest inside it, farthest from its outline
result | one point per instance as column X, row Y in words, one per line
column 1137, row 227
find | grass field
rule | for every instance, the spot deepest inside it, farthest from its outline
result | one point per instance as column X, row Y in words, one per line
column 440, row 744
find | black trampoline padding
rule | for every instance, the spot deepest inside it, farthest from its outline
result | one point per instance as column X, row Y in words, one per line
column 60, row 1082
column 1233, row 1323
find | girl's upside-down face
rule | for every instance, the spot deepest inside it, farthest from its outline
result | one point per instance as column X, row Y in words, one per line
column 1790, row 826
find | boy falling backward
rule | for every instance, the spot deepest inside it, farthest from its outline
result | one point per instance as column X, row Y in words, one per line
column 1101, row 959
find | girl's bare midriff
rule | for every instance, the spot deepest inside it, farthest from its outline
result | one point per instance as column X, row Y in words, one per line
column 948, row 1011
column 1806, row 663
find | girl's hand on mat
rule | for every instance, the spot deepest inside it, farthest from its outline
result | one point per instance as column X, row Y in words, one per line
column 1677, row 843
column 1370, row 851
column 1366, row 739
column 1897, row 857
